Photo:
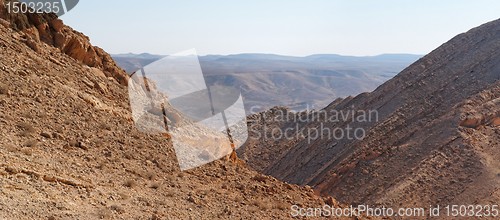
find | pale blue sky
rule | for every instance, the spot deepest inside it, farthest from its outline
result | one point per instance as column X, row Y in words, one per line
column 288, row 27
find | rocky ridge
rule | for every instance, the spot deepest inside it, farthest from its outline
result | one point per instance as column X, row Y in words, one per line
column 436, row 140
column 48, row 29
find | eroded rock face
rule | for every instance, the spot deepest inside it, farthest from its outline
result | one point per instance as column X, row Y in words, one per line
column 48, row 29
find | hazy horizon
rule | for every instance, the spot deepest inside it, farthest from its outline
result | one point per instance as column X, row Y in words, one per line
column 244, row 53
column 352, row 28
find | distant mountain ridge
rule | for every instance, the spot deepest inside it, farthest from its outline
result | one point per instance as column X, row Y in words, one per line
column 269, row 80
column 143, row 59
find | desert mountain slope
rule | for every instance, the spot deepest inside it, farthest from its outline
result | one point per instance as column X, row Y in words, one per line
column 48, row 29
column 436, row 141
column 69, row 150
column 262, row 150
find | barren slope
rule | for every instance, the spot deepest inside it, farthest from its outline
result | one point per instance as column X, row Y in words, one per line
column 69, row 150
column 427, row 147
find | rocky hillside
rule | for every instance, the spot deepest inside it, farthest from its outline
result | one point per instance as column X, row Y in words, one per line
column 69, row 149
column 436, row 141
column 262, row 149
column 47, row 29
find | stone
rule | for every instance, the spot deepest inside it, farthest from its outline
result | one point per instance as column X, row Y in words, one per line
column 4, row 23
column 45, row 135
column 101, row 87
column 32, row 44
column 192, row 200
column 57, row 24
column 331, row 201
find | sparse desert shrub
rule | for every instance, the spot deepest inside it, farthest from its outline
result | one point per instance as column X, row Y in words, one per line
column 10, row 148
column 170, row 178
column 25, row 133
column 128, row 156
column 104, row 213
column 42, row 115
column 180, row 175
column 73, row 143
column 98, row 142
column 69, row 121
column 31, row 143
column 136, row 136
column 150, row 175
column 105, row 126
column 169, row 193
column 26, row 127
column 115, row 160
column 11, row 170
column 101, row 165
column 60, row 130
column 130, row 183
column 155, row 185
column 253, row 209
column 281, row 206
column 259, row 178
column 124, row 196
column 27, row 151
column 3, row 89
column 161, row 202
column 7, row 117
column 262, row 204
column 117, row 208
column 27, row 115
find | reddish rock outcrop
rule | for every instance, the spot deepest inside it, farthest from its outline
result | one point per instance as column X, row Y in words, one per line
column 49, row 29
